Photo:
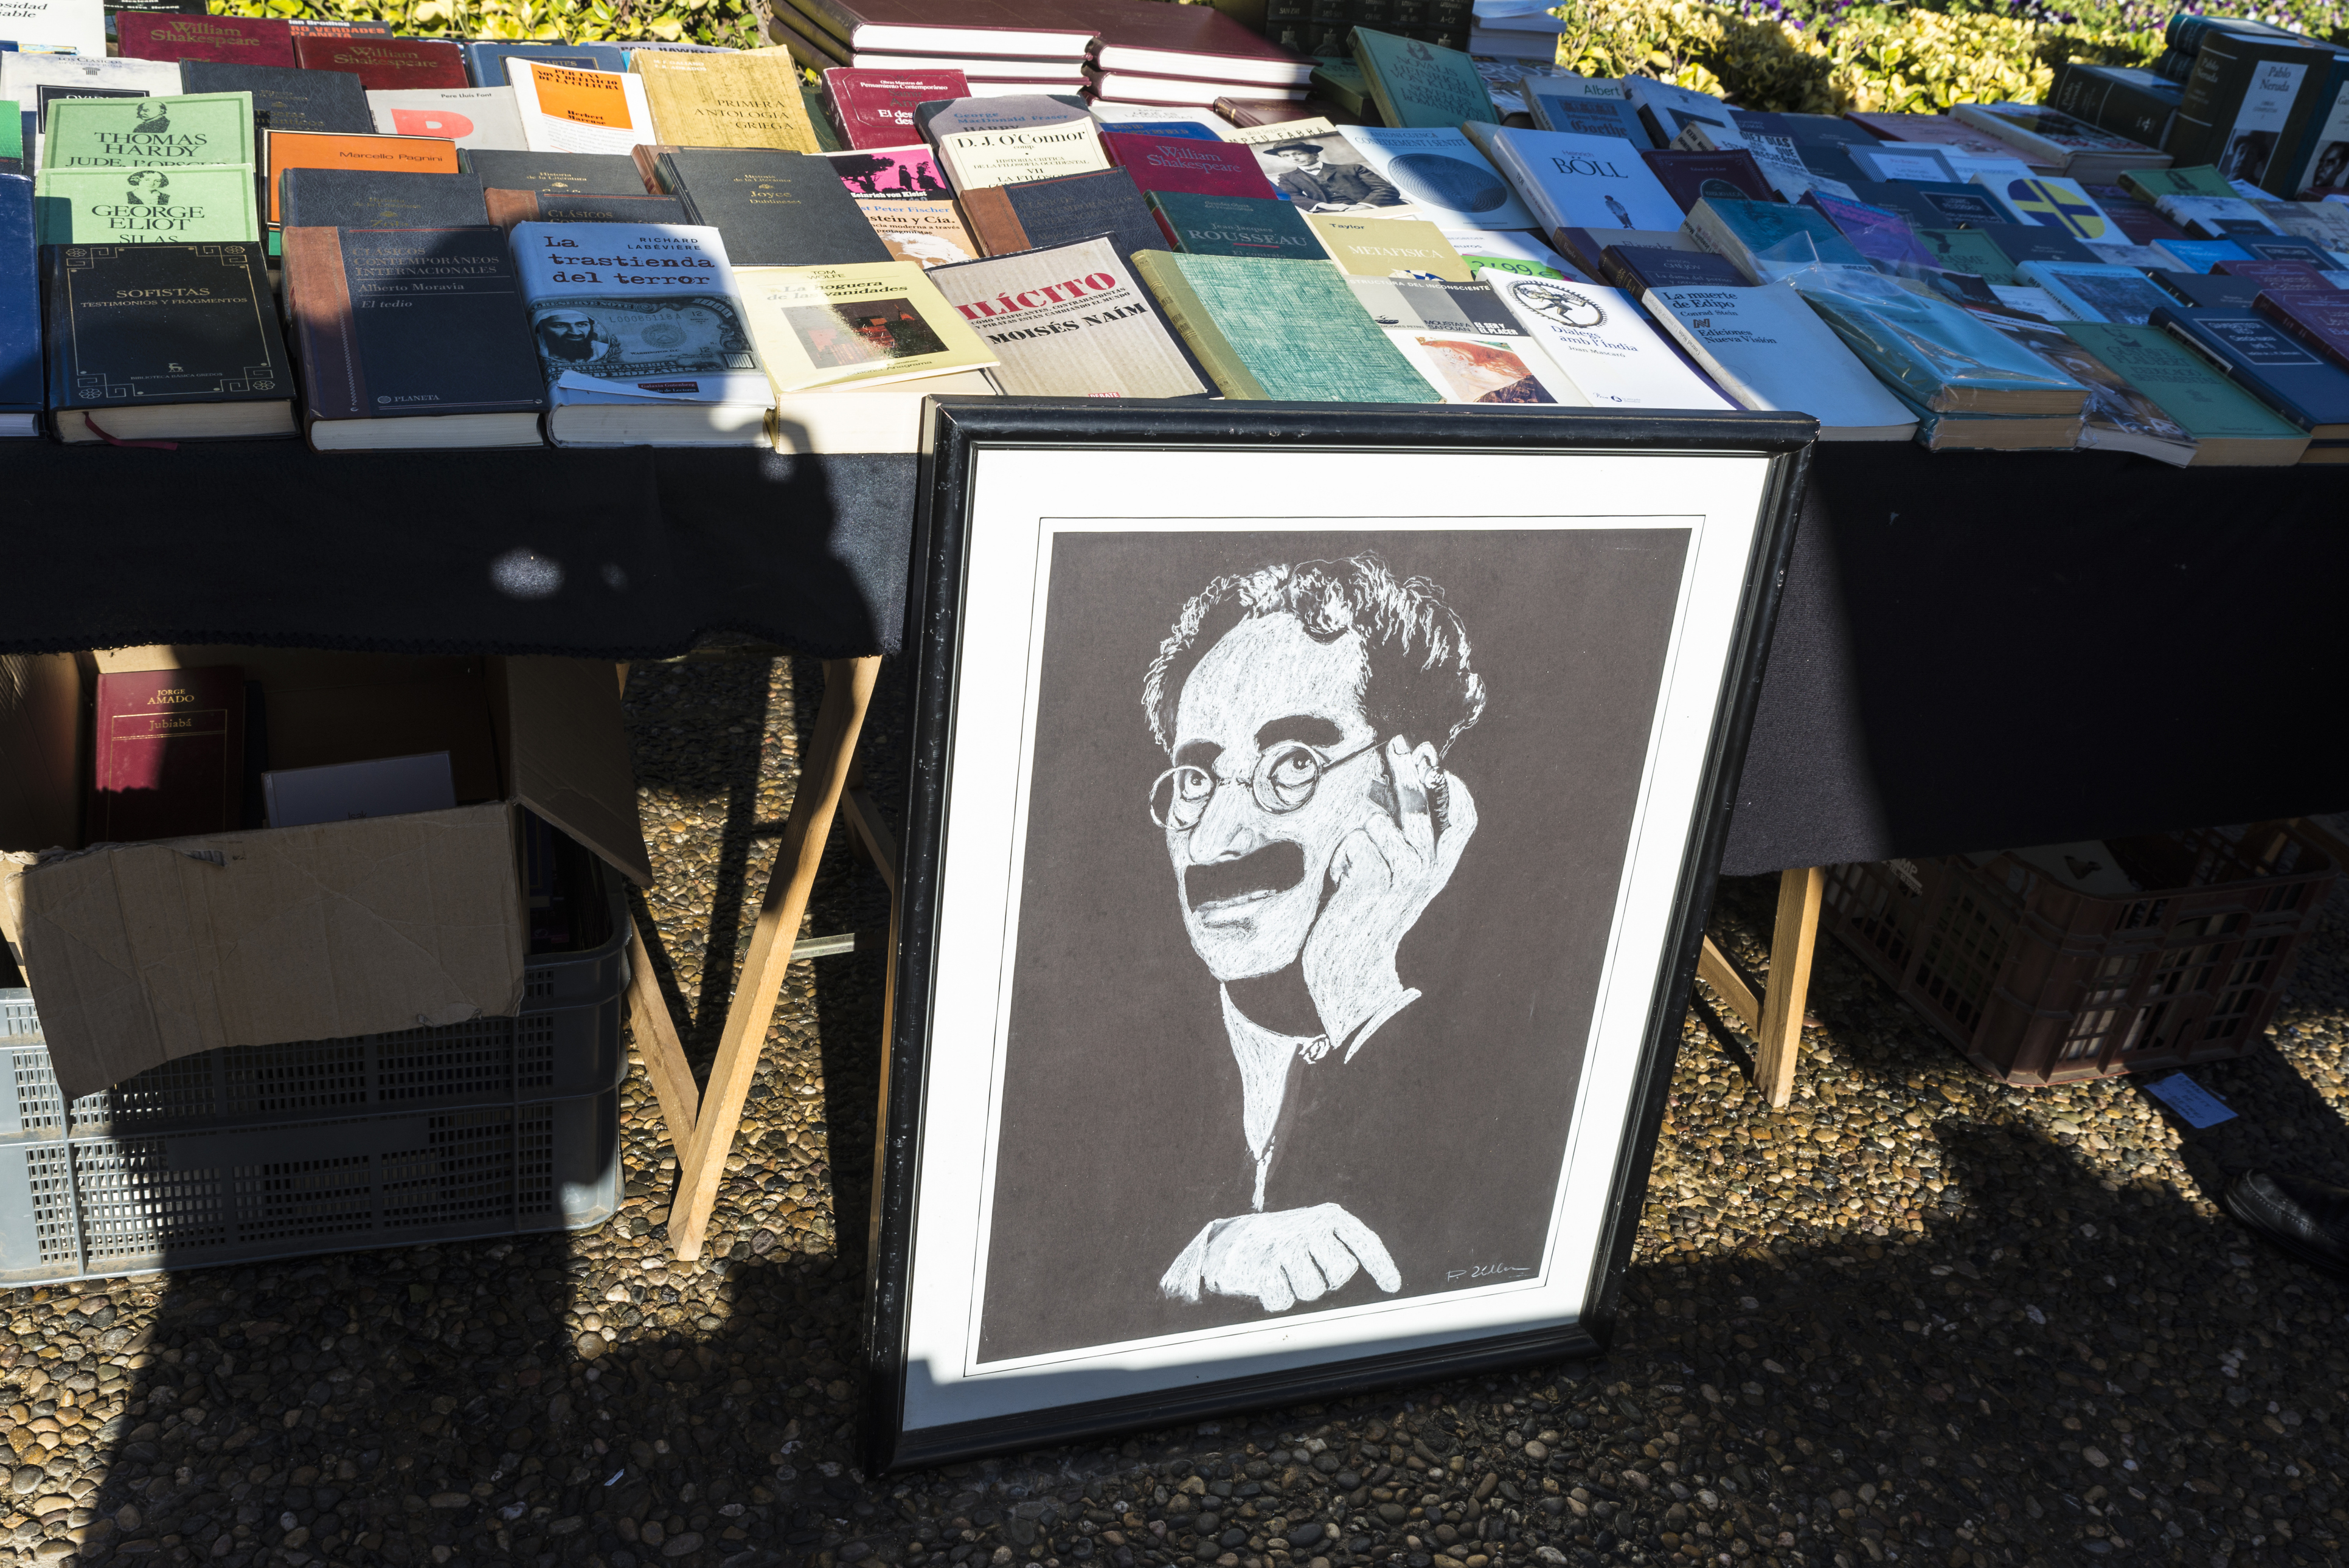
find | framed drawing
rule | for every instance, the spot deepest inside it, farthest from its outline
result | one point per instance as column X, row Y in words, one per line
column 1314, row 812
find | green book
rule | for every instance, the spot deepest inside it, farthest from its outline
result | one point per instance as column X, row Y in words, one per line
column 1234, row 226
column 12, row 133
column 1970, row 251
column 1767, row 239
column 2229, row 427
column 1421, row 86
column 207, row 129
column 179, row 205
column 1286, row 331
column 1934, row 353
column 827, row 139
column 1338, row 80
column 2197, row 179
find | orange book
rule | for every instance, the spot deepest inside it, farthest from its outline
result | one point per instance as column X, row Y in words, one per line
column 330, row 150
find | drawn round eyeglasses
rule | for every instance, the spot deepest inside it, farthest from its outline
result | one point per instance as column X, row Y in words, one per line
column 1284, row 778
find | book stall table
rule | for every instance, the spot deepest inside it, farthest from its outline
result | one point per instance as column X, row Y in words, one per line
column 1974, row 650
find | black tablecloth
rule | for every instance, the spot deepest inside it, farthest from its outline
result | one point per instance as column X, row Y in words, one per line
column 1976, row 650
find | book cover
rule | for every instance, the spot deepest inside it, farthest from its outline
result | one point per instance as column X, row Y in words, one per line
column 2228, row 425
column 1932, row 204
column 1191, row 41
column 2213, row 216
column 1388, row 247
column 178, row 204
column 364, row 196
column 1443, row 176
column 29, row 81
column 241, row 40
column 410, row 322
column 470, row 116
column 290, row 99
column 1875, row 233
column 168, row 754
column 2028, row 242
column 776, row 208
column 975, row 160
column 150, row 132
column 485, row 59
column 387, row 155
column 1574, row 181
column 908, row 173
column 1767, row 239
column 1464, row 342
column 1689, row 178
column 385, row 64
column 640, row 313
column 1181, row 163
column 875, row 108
column 1667, row 110
column 20, row 304
column 1935, row 354
column 507, row 208
column 2118, row 416
column 2137, row 104
column 2052, row 201
column 1290, row 331
column 1155, row 119
column 926, row 234
column 865, row 323
column 133, row 327
column 2205, row 291
column 1604, row 346
column 555, row 173
column 2237, row 103
column 2185, row 180
column 77, row 25
column 1610, row 118
column 2097, row 293
column 1322, row 172
column 1770, row 350
column 2257, row 354
column 566, row 110
column 1048, row 213
column 2052, row 136
column 1419, row 86
column 1008, row 111
column 1936, row 128
column 1235, row 226
column 2277, row 277
column 2139, row 221
column 726, row 101
column 1636, row 269
column 1072, row 321
column 2319, row 318
column 1491, row 251
column 2313, row 152
column 1893, row 160
column 2200, row 256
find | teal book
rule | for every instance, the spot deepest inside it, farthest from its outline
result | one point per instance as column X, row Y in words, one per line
column 1286, row 331
column 148, row 132
column 1934, row 353
column 177, row 205
column 1421, row 86
column 1234, row 226
column 1768, row 240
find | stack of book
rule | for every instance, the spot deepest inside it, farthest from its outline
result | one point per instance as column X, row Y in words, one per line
column 594, row 244
column 998, row 45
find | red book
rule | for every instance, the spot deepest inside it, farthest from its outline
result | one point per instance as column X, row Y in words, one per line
column 385, row 64
column 875, row 108
column 2320, row 320
column 170, row 760
column 236, row 40
column 1178, row 163
column 2278, row 276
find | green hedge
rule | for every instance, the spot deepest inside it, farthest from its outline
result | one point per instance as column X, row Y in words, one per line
column 727, row 22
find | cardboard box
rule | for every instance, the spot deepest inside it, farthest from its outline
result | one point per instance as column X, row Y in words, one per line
column 138, row 953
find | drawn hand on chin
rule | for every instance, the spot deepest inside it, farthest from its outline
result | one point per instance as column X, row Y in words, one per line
column 1387, row 871
column 1281, row 1258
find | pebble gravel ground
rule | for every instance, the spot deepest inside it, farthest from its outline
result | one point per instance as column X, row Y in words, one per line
column 1917, row 1317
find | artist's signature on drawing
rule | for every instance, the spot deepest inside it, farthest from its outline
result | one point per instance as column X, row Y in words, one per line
column 1484, row 1271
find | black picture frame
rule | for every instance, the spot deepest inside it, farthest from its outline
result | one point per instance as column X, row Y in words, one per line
column 959, row 432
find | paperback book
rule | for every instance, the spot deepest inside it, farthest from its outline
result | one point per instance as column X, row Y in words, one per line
column 1235, row 225
column 370, row 198
column 1602, row 344
column 192, row 129
column 566, row 110
column 554, row 173
column 1323, row 172
column 1690, row 177
column 508, row 208
column 875, row 108
column 1441, row 175
column 909, row 173
column 2097, row 293
column 2118, row 416
column 470, row 116
column 1387, row 247
column 2229, row 429
column 868, row 322
column 1770, row 239
column 1071, row 321
column 978, row 159
column 1465, row 343
column 1770, row 350
column 21, row 395
column 377, row 155
column 1418, row 85
column 926, row 234
column 1585, row 181
column 2317, row 318
column 746, row 99
column 485, row 59
column 2259, row 355
column 178, row 204
column 1936, row 355
column 1286, row 331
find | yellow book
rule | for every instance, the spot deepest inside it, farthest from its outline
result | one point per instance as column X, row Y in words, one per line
column 746, row 99
column 862, row 322
column 1388, row 247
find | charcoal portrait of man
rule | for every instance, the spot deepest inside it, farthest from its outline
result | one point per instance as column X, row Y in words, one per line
column 1320, row 861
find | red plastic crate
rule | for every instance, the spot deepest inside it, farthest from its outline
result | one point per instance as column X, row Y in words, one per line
column 2040, row 983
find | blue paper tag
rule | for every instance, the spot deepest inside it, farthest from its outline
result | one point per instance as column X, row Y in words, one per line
column 2189, row 1099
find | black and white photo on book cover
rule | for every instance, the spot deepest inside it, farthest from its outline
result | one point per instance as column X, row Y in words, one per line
column 1318, row 823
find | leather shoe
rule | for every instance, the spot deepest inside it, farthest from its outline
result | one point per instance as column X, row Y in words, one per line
column 2309, row 1220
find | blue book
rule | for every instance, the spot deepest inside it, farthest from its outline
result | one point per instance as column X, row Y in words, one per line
column 486, row 63
column 1185, row 129
column 2200, row 256
column 2257, row 356
column 21, row 397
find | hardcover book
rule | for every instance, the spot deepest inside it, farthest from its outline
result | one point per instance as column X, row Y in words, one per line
column 566, row 110
column 1016, row 28
column 875, row 108
column 1154, row 119
column 21, row 397
column 1768, row 240
column 1770, row 350
column 2257, row 354
column 2237, row 103
column 2049, row 137
column 1464, row 342
column 1574, row 181
column 208, row 128
column 1235, row 226
column 1181, row 163
column 485, row 61
column 1928, row 205
column 1047, row 212
column 1599, row 339
column 1418, row 85
column 365, row 197
column 642, row 336
column 926, row 234
column 1636, row 269
column 381, row 155
column 776, row 208
column 2229, row 426
column 2319, row 318
column 2027, row 242
column 1612, row 119
column 181, row 203
column 411, row 338
column 507, row 208
column 288, row 99
column 868, row 322
column 2185, row 180
column 909, row 173
column 1938, row 129
column 1192, row 41
column 2137, row 221
column 1689, row 178
column 1443, row 176
column 241, row 40
column 976, row 160
column 168, row 754
column 726, row 101
column 165, row 342
column 1387, row 247
column 2097, row 293
column 1921, row 163
column 2213, row 216
column 2205, row 291
column 1936, row 355
column 2276, row 277
column 385, row 64
column 1008, row 111
column 1289, row 330
column 470, row 116
column 1072, row 321
column 554, row 173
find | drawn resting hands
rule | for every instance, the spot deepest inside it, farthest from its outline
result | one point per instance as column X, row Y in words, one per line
column 1281, row 1258
column 1386, row 871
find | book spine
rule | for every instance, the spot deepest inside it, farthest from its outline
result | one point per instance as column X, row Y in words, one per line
column 1373, row 88
column 324, row 344
column 988, row 213
column 56, row 336
column 508, row 208
column 1189, row 318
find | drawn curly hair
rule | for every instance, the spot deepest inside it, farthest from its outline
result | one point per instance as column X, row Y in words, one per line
column 1415, row 682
